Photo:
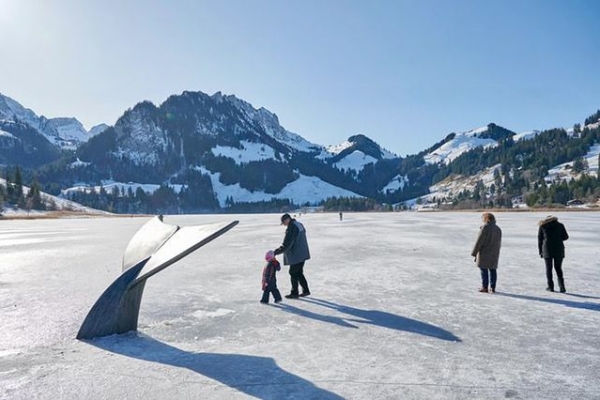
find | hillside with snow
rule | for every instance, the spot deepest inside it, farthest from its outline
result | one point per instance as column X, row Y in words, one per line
column 196, row 152
column 396, row 183
column 461, row 143
column 355, row 153
column 450, row 188
column 566, row 171
column 247, row 152
column 53, row 203
column 304, row 190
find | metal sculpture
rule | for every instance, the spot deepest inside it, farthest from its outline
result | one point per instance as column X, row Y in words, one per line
column 154, row 247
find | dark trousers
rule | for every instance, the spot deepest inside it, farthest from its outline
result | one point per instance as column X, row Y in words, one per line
column 559, row 272
column 488, row 277
column 297, row 277
column 271, row 288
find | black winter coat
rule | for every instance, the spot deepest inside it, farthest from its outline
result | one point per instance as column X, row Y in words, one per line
column 269, row 276
column 551, row 237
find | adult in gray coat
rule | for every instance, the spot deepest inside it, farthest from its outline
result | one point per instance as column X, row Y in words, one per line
column 551, row 237
column 487, row 251
column 295, row 253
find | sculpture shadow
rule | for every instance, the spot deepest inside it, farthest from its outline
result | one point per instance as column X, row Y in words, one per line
column 255, row 376
column 567, row 303
column 384, row 320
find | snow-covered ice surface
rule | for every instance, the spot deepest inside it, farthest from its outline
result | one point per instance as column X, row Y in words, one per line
column 394, row 313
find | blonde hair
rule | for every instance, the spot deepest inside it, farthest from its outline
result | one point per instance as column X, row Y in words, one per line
column 488, row 217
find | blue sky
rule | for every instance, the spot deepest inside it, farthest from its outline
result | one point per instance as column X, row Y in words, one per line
column 405, row 73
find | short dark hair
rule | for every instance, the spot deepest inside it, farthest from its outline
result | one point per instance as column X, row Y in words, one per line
column 285, row 216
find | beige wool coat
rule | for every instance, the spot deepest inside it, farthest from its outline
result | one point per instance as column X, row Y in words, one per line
column 487, row 246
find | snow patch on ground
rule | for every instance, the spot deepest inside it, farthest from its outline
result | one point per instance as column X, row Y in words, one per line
column 396, row 183
column 355, row 161
column 305, row 189
column 564, row 172
column 250, row 152
column 7, row 134
column 220, row 312
column 109, row 186
column 79, row 164
column 528, row 135
column 460, row 144
column 338, row 148
column 593, row 125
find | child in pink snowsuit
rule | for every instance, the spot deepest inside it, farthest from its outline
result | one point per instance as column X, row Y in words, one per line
column 269, row 278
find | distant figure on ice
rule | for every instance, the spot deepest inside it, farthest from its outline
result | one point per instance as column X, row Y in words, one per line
column 551, row 237
column 269, row 278
column 487, row 251
column 341, row 215
column 295, row 253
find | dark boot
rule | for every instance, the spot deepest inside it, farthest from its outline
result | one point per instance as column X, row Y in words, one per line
column 561, row 285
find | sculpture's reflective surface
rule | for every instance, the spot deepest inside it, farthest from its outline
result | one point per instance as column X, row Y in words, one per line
column 154, row 247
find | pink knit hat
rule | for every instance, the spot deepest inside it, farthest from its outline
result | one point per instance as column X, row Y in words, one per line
column 270, row 255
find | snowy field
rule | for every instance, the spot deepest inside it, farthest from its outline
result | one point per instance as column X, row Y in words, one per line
column 395, row 313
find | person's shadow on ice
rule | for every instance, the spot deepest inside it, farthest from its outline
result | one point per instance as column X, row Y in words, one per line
column 372, row 317
column 260, row 377
column 567, row 303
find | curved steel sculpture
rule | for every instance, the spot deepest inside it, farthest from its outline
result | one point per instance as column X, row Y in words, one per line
column 154, row 247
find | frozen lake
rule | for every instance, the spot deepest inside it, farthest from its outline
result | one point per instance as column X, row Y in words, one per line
column 394, row 313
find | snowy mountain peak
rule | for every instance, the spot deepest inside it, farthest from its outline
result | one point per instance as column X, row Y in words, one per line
column 527, row 135
column 360, row 143
column 356, row 152
column 97, row 129
column 12, row 110
column 456, row 144
column 477, row 131
column 63, row 132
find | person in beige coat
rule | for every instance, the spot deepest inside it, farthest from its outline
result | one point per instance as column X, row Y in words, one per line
column 487, row 252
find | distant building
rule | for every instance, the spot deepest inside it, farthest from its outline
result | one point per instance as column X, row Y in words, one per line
column 574, row 202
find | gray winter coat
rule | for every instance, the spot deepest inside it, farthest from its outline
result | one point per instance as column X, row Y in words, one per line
column 295, row 246
column 487, row 247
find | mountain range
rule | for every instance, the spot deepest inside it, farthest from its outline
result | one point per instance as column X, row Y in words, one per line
column 197, row 152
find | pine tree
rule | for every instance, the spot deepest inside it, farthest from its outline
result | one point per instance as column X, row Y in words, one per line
column 2, row 194
column 9, row 187
column 18, row 184
column 34, row 197
column 17, row 189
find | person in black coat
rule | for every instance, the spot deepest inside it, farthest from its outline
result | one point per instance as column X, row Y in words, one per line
column 551, row 237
